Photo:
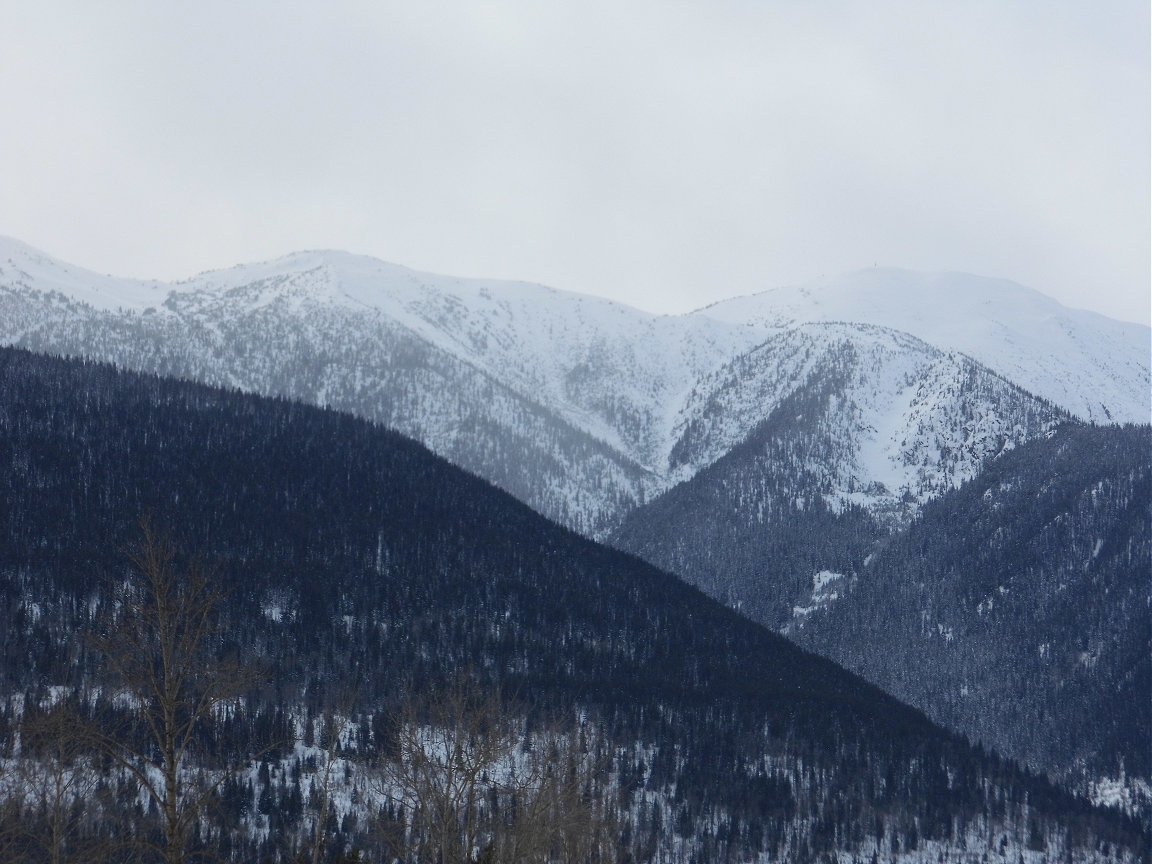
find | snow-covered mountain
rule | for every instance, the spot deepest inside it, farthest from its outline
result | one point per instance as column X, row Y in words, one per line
column 459, row 365
column 586, row 408
column 897, row 421
column 764, row 448
column 1093, row 366
column 811, row 449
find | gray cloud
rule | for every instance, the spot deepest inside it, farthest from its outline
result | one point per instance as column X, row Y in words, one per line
column 663, row 153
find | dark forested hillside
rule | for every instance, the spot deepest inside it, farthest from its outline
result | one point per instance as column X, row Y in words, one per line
column 754, row 527
column 814, row 485
column 1014, row 609
column 1017, row 607
column 356, row 562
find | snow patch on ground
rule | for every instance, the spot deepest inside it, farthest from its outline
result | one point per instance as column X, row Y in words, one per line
column 825, row 590
column 1132, row 795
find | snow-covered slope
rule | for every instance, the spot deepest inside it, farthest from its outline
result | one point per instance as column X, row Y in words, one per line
column 1095, row 367
column 899, row 421
column 582, row 407
column 608, row 369
column 22, row 267
column 791, row 475
column 428, row 356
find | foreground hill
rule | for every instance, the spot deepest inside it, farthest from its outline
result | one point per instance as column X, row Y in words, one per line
column 351, row 552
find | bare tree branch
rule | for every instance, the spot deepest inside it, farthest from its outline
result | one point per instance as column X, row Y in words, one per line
column 160, row 651
column 469, row 791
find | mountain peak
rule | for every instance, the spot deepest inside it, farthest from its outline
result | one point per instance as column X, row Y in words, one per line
column 1091, row 365
column 23, row 265
column 538, row 337
column 885, row 296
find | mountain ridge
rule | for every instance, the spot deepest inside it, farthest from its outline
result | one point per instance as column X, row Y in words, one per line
column 1040, row 332
column 889, row 297
column 625, row 381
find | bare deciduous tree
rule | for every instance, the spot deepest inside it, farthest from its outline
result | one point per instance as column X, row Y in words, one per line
column 470, row 788
column 57, row 781
column 160, row 646
column 558, row 814
column 55, row 803
column 335, row 721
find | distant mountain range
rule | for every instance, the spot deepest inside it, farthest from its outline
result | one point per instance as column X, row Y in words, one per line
column 584, row 408
column 776, row 450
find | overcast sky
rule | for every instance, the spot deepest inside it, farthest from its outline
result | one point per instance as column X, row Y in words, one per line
column 666, row 154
